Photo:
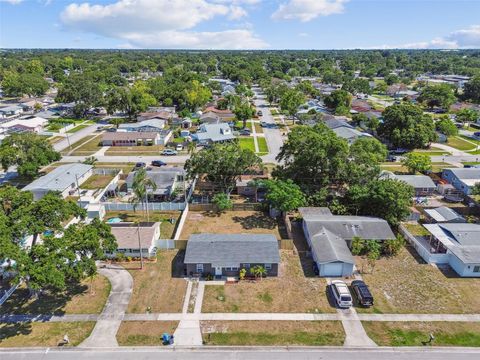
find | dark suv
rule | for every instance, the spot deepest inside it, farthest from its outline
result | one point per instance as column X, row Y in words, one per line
column 362, row 292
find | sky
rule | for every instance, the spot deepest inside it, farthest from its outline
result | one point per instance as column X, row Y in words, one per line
column 240, row 24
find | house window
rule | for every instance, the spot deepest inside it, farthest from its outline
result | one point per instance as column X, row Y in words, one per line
column 233, row 268
column 246, row 266
column 199, row 268
column 268, row 266
column 476, row 269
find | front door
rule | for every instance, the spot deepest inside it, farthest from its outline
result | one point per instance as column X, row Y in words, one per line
column 218, row 271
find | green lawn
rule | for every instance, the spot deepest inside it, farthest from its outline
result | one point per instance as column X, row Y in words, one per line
column 247, row 143
column 77, row 128
column 239, row 125
column 417, row 333
column 262, row 145
column 470, row 139
column 459, row 143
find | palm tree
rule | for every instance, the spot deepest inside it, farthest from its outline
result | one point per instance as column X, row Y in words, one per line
column 191, row 147
column 140, row 186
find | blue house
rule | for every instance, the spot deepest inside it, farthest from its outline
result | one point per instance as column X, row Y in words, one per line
column 462, row 179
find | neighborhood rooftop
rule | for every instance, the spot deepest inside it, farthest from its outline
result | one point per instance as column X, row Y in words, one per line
column 59, row 178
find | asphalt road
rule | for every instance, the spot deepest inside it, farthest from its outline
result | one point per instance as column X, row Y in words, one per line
column 240, row 354
column 74, row 137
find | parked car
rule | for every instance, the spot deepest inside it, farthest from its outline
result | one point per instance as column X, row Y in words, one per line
column 111, row 130
column 245, row 132
column 169, row 152
column 263, row 124
column 179, row 147
column 342, row 295
column 476, row 134
column 362, row 292
column 391, row 158
column 139, row 165
column 259, row 113
column 158, row 163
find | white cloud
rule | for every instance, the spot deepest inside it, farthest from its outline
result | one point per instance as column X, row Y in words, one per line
column 13, row 2
column 303, row 34
column 162, row 23
column 306, row 10
column 460, row 39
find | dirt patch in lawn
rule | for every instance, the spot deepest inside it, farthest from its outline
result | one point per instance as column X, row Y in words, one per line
column 160, row 285
column 418, row 333
column 269, row 333
column 405, row 284
column 290, row 292
column 144, row 333
column 44, row 334
column 232, row 222
column 89, row 297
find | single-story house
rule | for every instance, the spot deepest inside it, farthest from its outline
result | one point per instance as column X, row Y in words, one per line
column 151, row 125
column 65, row 179
column 223, row 114
column 226, row 254
column 443, row 214
column 210, row 118
column 330, row 236
column 166, row 179
column 458, row 246
column 29, row 123
column 130, row 138
column 423, row 185
column 462, row 178
column 130, row 237
column 10, row 111
column 212, row 133
column 162, row 115
column 349, row 134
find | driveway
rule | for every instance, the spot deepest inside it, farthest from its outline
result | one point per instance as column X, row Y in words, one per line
column 70, row 139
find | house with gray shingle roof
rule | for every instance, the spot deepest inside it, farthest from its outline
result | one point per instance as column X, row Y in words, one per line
column 462, row 179
column 423, row 184
column 212, row 133
column 330, row 237
column 226, row 254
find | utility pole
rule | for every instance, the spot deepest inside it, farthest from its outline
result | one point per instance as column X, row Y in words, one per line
column 140, row 245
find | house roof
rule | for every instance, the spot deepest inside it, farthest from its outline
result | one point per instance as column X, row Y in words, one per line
column 336, row 123
column 417, row 181
column 60, row 178
column 464, row 234
column 466, row 174
column 10, row 108
column 129, row 135
column 329, row 247
column 346, row 132
column 163, row 178
column 232, row 249
column 444, row 214
column 127, row 234
column 214, row 132
column 156, row 114
column 158, row 123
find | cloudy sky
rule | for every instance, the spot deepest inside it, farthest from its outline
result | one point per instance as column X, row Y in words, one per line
column 240, row 24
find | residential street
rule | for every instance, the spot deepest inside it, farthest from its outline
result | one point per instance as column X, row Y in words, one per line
column 210, row 353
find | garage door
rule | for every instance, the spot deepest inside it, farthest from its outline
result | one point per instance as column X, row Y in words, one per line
column 332, row 270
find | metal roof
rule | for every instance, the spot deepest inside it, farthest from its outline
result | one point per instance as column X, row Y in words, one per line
column 232, row 249
column 60, row 178
column 444, row 214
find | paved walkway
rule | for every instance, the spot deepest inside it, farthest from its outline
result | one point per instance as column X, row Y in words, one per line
column 355, row 334
column 105, row 330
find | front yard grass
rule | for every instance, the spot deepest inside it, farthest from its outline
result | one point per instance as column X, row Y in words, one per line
column 166, row 227
column 87, row 146
column 232, row 222
column 143, row 150
column 475, row 141
column 87, row 298
column 97, row 181
column 48, row 334
column 460, row 144
column 290, row 292
column 405, row 284
column 247, row 143
column 77, row 128
column 160, row 285
column 144, row 333
column 270, row 333
column 416, row 333
column 262, row 144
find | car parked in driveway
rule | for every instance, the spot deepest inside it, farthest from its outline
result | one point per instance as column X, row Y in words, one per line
column 342, row 295
column 139, row 165
column 169, row 152
column 245, row 132
column 362, row 293
column 158, row 163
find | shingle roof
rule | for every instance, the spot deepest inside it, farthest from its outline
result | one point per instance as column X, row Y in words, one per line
column 129, row 135
column 336, row 123
column 348, row 133
column 215, row 132
column 464, row 234
column 232, row 249
column 417, row 181
column 329, row 247
column 465, row 173
column 60, row 178
column 158, row 123
column 127, row 235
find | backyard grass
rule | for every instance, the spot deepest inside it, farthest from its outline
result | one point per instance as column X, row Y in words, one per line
column 247, row 143
column 87, row 298
column 126, row 167
column 77, row 128
column 270, row 333
column 460, row 144
column 143, row 150
column 144, row 333
column 439, row 166
column 417, row 333
column 167, row 229
column 262, row 145
column 396, row 168
column 160, row 285
column 44, row 334
column 290, row 292
column 405, row 284
column 232, row 222
column 416, row 229
column 97, row 181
